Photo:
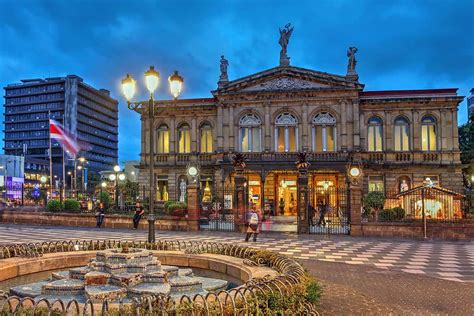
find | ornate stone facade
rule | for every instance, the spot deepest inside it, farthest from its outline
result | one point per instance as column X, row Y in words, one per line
column 273, row 114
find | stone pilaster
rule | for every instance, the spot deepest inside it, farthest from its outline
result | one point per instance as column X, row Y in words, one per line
column 302, row 200
column 355, row 199
column 193, row 206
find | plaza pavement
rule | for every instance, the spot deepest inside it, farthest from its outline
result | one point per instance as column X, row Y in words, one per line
column 453, row 261
column 360, row 276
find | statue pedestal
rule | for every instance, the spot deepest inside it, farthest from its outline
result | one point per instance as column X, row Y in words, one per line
column 284, row 61
column 193, row 206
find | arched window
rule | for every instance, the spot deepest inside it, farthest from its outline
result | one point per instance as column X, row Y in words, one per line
column 374, row 134
column 324, row 132
column 402, row 134
column 184, row 139
column 428, row 133
column 206, row 138
column 286, row 133
column 250, row 133
column 163, row 139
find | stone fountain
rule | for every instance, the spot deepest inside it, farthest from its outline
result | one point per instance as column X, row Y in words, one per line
column 120, row 274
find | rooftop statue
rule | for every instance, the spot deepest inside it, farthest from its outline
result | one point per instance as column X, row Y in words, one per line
column 352, row 62
column 285, row 35
column 223, row 78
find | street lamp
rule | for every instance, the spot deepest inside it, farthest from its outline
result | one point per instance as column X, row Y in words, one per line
column 103, row 185
column 152, row 80
column 43, row 180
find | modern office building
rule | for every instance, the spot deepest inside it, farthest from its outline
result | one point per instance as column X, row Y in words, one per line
column 470, row 104
column 11, row 176
column 88, row 114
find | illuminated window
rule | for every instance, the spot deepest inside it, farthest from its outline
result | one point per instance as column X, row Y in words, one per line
column 206, row 138
column 250, row 133
column 163, row 139
column 324, row 132
column 376, row 183
column 374, row 134
column 286, row 133
column 402, row 134
column 184, row 139
column 428, row 134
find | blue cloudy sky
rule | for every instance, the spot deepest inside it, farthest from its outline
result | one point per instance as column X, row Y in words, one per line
column 402, row 44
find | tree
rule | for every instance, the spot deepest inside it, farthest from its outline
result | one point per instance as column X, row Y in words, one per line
column 466, row 144
column 374, row 201
column 130, row 191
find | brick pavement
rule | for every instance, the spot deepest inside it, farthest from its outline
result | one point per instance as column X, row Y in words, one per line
column 452, row 261
column 360, row 276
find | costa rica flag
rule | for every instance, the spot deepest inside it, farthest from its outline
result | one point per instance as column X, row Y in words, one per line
column 67, row 141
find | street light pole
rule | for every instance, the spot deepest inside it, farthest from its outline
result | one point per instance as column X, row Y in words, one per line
column 128, row 87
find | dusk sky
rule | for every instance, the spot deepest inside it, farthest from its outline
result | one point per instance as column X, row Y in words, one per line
column 402, row 44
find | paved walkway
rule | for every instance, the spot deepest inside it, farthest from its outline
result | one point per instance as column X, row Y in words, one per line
column 452, row 261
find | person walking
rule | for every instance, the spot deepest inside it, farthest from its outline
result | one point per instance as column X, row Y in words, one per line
column 252, row 224
column 139, row 211
column 100, row 214
column 323, row 208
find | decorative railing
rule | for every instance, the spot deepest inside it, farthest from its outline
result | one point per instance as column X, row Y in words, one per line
column 252, row 298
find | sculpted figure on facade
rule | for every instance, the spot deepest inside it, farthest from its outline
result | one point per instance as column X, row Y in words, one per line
column 182, row 189
column 351, row 65
column 285, row 35
column 223, row 78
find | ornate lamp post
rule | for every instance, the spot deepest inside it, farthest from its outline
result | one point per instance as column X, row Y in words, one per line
column 152, row 79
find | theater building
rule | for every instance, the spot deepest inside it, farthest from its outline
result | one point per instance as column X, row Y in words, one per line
column 398, row 137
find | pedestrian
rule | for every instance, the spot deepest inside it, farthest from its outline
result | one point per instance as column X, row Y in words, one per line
column 252, row 219
column 323, row 208
column 100, row 214
column 139, row 211
column 311, row 212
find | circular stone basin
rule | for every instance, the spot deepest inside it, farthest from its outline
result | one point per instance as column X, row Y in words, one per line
column 115, row 275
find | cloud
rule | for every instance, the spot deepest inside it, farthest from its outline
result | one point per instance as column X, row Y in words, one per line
column 402, row 45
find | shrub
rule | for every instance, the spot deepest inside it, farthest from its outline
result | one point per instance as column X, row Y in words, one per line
column 175, row 208
column 72, row 205
column 54, row 206
column 104, row 197
column 399, row 213
column 386, row 215
column 374, row 201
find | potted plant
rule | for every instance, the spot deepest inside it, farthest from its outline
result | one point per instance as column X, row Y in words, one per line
column 374, row 201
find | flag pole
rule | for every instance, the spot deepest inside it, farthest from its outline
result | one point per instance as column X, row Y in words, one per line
column 50, row 159
column 64, row 170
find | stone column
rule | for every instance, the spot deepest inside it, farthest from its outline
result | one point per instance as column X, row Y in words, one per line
column 193, row 206
column 194, row 135
column 356, row 125
column 172, row 135
column 240, row 199
column 220, row 123
column 267, row 129
column 302, row 200
column 342, row 143
column 304, row 132
column 231, row 128
column 355, row 205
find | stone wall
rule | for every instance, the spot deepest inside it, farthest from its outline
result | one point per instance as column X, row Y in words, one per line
column 454, row 231
column 88, row 220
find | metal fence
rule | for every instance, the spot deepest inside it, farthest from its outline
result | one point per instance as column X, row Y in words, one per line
column 436, row 204
column 250, row 299
column 328, row 211
column 218, row 214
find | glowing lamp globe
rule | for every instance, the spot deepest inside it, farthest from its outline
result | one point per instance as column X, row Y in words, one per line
column 121, row 177
column 176, row 84
column 152, row 79
column 192, row 171
column 117, row 168
column 128, row 87
column 354, row 172
column 103, row 184
column 112, row 177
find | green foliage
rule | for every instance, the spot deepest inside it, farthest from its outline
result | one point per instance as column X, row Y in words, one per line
column 374, row 200
column 171, row 207
column 399, row 213
column 104, row 197
column 54, row 206
column 313, row 291
column 466, row 142
column 72, row 205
